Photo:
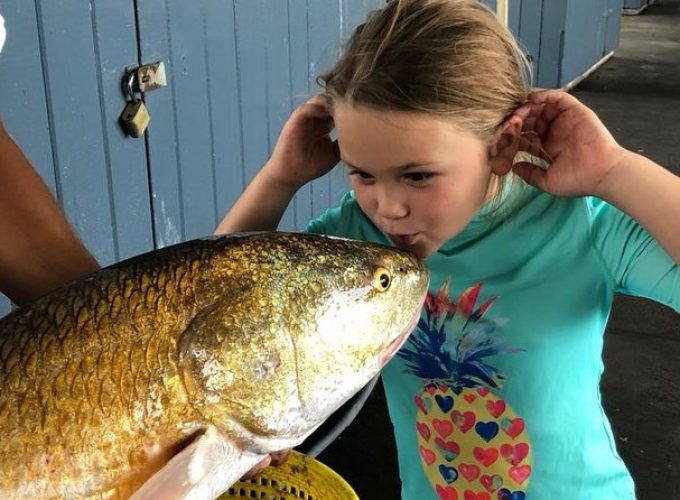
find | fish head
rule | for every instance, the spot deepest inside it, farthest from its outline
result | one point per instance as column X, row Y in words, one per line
column 310, row 322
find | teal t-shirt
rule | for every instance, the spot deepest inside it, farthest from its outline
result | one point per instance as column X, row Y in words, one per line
column 496, row 393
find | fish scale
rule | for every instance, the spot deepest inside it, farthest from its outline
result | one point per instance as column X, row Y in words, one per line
column 105, row 382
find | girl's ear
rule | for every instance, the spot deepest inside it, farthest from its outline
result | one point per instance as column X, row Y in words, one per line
column 503, row 151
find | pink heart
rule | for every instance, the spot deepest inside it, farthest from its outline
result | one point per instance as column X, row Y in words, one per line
column 512, row 428
column 520, row 474
column 496, row 408
column 448, row 493
column 471, row 495
column 514, row 454
column 469, row 471
column 450, row 446
column 423, row 430
column 428, row 455
column 443, row 427
column 421, row 404
column 491, row 483
column 483, row 391
column 464, row 421
column 485, row 457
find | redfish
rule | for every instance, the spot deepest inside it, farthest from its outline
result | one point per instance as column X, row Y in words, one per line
column 171, row 374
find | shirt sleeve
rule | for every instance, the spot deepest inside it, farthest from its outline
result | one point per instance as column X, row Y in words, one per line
column 636, row 262
column 328, row 223
column 347, row 221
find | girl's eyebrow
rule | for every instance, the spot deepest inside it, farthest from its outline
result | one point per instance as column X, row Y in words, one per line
column 406, row 166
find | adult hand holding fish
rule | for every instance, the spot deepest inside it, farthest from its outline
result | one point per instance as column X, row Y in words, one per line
column 174, row 373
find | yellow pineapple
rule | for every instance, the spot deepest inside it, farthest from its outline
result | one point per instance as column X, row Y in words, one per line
column 472, row 445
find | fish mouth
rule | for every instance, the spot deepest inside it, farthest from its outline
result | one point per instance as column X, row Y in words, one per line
column 396, row 344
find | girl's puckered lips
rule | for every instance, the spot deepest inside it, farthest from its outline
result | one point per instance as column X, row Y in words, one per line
column 403, row 239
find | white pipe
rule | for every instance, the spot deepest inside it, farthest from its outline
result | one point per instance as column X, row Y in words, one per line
column 502, row 11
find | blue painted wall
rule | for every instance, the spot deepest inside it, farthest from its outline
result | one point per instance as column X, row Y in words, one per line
column 635, row 4
column 235, row 69
column 563, row 38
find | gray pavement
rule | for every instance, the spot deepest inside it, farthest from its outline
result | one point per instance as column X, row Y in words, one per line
column 637, row 95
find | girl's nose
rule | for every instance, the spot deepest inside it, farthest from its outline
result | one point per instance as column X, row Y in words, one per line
column 391, row 204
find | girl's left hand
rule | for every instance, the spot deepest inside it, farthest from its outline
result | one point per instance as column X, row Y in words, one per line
column 580, row 151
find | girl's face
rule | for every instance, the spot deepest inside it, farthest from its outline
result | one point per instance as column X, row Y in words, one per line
column 419, row 178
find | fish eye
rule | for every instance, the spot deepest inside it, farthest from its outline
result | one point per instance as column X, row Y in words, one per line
column 381, row 279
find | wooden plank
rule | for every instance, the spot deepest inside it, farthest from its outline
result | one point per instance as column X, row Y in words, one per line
column 163, row 144
column 73, row 102
column 635, row 4
column 193, row 92
column 323, row 33
column 583, row 38
column 530, row 15
column 115, row 49
column 22, row 88
column 299, row 78
column 22, row 95
column 225, row 109
column 613, row 25
column 251, row 63
column 548, row 73
column 514, row 14
column 278, row 82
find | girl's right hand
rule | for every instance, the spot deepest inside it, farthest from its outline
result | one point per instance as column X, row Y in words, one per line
column 304, row 150
column 580, row 150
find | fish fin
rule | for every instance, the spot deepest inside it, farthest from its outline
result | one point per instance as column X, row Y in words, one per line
column 204, row 469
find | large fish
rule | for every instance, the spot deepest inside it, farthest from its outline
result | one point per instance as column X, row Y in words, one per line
column 173, row 373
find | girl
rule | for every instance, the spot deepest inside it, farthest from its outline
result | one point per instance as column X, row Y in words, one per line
column 530, row 217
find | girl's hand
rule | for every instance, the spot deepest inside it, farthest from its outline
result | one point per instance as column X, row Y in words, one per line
column 579, row 150
column 304, row 150
column 274, row 459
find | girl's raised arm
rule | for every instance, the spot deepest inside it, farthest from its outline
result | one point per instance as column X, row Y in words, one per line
column 584, row 159
column 303, row 152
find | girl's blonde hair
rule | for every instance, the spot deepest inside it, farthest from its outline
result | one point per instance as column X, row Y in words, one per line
column 449, row 58
column 445, row 57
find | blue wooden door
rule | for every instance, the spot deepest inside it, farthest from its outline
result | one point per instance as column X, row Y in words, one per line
column 60, row 98
column 236, row 68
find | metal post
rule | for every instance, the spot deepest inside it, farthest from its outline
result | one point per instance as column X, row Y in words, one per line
column 502, row 11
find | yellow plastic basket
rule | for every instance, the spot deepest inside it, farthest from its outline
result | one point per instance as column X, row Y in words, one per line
column 300, row 477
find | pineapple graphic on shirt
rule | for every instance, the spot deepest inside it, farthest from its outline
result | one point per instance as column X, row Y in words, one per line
column 472, row 444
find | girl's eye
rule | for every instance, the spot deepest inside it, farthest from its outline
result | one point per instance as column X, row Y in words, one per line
column 363, row 176
column 418, row 177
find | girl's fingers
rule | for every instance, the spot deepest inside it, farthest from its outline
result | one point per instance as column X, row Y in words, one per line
column 531, row 174
column 531, row 143
column 280, row 457
column 316, row 106
column 553, row 103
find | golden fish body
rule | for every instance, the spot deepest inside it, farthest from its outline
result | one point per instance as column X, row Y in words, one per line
column 181, row 368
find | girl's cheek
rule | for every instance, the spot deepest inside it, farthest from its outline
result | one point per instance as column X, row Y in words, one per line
column 362, row 197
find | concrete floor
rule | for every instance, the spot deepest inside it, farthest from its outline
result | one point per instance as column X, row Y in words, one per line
column 637, row 95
